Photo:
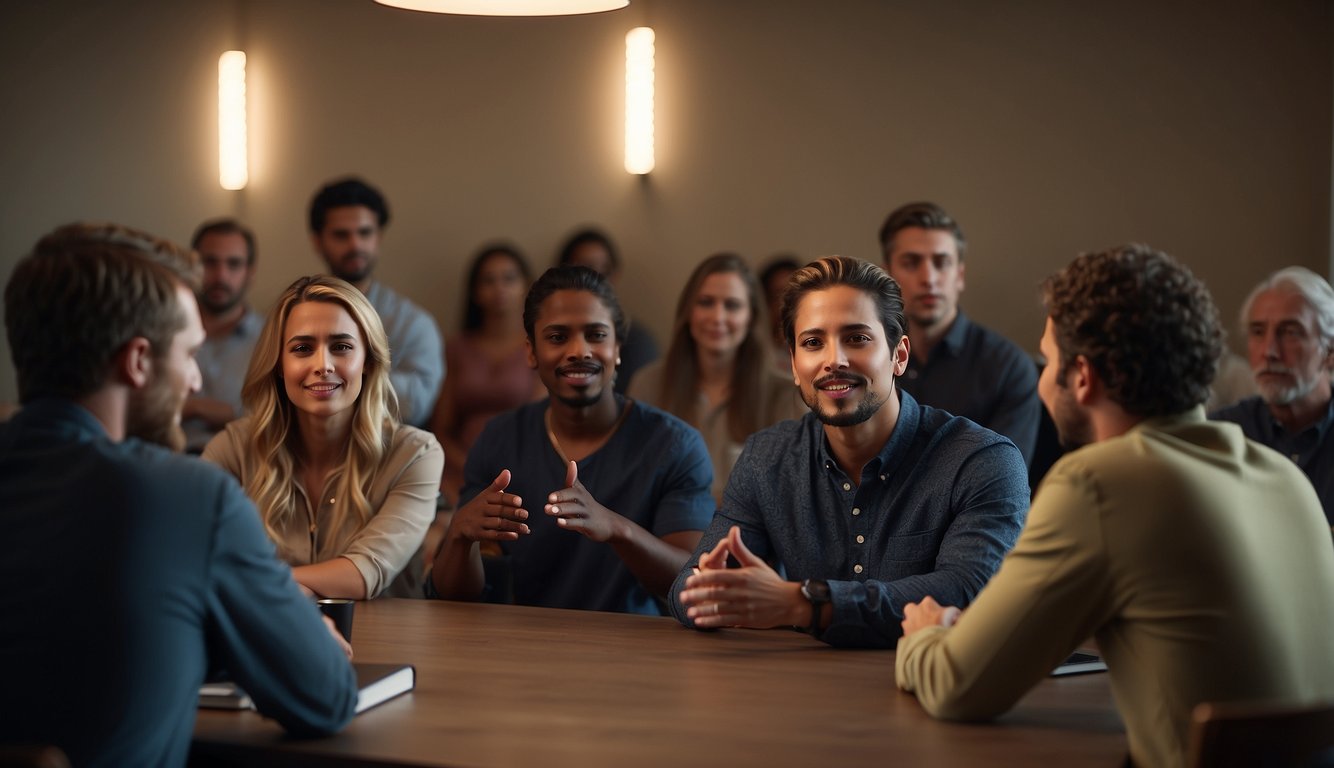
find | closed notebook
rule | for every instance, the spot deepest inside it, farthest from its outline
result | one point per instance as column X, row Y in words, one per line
column 376, row 684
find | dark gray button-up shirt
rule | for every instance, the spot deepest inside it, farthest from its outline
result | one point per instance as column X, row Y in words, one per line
column 936, row 511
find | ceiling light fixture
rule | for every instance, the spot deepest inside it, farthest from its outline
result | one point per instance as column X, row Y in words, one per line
column 508, row 7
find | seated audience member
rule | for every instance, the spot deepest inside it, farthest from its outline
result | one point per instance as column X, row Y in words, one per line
column 1289, row 324
column 130, row 570
column 870, row 501
column 347, row 219
column 489, row 359
column 596, row 499
column 716, row 375
column 773, row 279
column 345, row 490
column 1198, row 559
column 592, row 248
column 956, row 364
column 227, row 251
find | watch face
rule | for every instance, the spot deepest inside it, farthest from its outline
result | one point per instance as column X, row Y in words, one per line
column 816, row 591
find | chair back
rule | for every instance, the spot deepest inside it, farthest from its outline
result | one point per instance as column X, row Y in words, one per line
column 1262, row 735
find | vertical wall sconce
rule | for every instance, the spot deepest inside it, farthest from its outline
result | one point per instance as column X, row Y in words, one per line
column 233, row 171
column 639, row 100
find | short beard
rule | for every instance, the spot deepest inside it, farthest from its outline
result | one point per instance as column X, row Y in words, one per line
column 1276, row 394
column 154, row 415
column 583, row 401
column 867, row 408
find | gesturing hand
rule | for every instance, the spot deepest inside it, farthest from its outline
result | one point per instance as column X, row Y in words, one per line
column 750, row 596
column 576, row 510
column 492, row 515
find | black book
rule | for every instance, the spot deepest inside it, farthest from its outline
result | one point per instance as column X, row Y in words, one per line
column 1080, row 663
column 376, row 684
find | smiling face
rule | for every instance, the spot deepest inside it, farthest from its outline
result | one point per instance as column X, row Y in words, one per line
column 323, row 358
column 349, row 242
column 574, row 348
column 843, row 361
column 926, row 264
column 720, row 314
column 1287, row 355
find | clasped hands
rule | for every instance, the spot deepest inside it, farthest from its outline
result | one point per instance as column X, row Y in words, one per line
column 752, row 596
column 497, row 515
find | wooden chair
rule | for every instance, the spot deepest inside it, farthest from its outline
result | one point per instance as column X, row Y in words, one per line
column 1259, row 735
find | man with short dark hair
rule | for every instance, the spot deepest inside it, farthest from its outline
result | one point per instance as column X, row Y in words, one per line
column 130, row 571
column 1198, row 559
column 956, row 364
column 227, row 252
column 1289, row 324
column 622, row 487
column 870, row 501
column 347, row 220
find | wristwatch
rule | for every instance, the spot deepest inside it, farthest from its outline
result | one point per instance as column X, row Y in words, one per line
column 816, row 591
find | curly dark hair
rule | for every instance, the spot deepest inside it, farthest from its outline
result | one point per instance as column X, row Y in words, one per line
column 1145, row 324
column 573, row 279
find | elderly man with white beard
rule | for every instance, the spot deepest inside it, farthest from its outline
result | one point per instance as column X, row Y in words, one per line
column 1288, row 321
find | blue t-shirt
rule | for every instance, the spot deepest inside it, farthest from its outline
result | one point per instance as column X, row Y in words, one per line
column 128, row 571
column 654, row 470
column 937, row 509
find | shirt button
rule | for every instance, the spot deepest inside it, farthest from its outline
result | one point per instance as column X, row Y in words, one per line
column 857, row 568
column 856, row 511
column 847, row 486
column 861, row 539
column 882, row 478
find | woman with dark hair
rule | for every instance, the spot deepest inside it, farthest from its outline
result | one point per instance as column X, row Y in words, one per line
column 344, row 489
column 717, row 376
column 487, row 361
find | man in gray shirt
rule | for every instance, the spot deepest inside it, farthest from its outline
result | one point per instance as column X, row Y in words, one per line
column 227, row 252
column 347, row 218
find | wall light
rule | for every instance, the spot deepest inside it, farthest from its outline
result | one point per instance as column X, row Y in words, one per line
column 639, row 100
column 508, row 7
column 233, row 171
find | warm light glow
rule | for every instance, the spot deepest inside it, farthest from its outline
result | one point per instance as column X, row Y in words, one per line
column 233, row 171
column 639, row 100
column 508, row 7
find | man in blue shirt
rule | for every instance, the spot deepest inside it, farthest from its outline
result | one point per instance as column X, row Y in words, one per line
column 870, row 501
column 956, row 364
column 1289, row 325
column 623, row 488
column 130, row 570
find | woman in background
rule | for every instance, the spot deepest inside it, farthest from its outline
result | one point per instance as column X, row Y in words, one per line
column 717, row 376
column 344, row 489
column 488, row 361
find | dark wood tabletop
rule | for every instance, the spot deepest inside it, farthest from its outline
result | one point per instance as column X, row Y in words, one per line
column 507, row 685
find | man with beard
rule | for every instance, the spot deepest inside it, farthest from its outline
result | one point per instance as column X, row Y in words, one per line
column 227, row 251
column 347, row 220
column 868, row 502
column 130, row 570
column 1289, row 324
column 596, row 500
column 1198, row 559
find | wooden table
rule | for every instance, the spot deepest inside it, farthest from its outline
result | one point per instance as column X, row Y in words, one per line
column 507, row 685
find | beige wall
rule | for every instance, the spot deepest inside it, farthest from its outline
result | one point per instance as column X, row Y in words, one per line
column 1045, row 127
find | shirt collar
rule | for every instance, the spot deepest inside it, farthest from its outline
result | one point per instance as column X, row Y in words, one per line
column 1321, row 427
column 60, row 414
column 892, row 452
column 952, row 342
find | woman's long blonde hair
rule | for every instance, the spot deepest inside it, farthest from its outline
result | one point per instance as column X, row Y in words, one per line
column 272, row 486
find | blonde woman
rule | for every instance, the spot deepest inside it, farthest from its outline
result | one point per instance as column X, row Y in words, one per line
column 717, row 376
column 345, row 490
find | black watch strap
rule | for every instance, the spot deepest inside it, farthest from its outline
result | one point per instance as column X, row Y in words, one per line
column 817, row 592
